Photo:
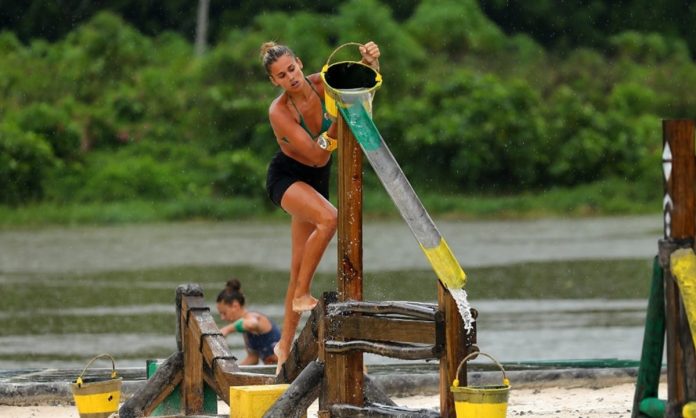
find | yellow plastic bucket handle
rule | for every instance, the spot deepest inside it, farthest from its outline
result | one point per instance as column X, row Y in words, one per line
column 78, row 381
column 455, row 383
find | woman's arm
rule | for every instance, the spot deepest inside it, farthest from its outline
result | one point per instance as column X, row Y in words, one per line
column 294, row 140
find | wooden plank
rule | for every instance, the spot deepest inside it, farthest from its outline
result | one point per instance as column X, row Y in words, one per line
column 206, row 323
column 162, row 383
column 400, row 351
column 293, row 403
column 380, row 411
column 381, row 329
column 407, row 309
column 215, row 347
column 679, row 225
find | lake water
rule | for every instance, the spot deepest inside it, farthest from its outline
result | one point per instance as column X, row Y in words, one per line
column 68, row 293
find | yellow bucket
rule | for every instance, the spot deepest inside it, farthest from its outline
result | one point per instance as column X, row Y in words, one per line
column 689, row 410
column 488, row 401
column 97, row 398
column 348, row 82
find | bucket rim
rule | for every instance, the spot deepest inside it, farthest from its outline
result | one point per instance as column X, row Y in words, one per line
column 481, row 388
column 325, row 69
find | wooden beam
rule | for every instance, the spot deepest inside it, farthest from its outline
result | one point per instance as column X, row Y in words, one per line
column 400, row 351
column 381, row 329
column 679, row 205
column 380, row 411
column 411, row 310
column 293, row 403
column 162, row 383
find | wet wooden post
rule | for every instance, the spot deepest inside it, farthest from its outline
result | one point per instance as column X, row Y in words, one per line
column 344, row 372
column 455, row 350
column 679, row 206
column 192, row 385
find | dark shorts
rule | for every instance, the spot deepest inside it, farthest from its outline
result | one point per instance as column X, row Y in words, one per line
column 283, row 171
column 263, row 344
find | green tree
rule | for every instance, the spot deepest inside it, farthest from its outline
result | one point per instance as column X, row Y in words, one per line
column 454, row 27
column 25, row 159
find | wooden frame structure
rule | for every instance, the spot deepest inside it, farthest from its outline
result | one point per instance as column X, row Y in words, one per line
column 326, row 360
column 667, row 324
column 349, row 327
column 203, row 356
column 680, row 230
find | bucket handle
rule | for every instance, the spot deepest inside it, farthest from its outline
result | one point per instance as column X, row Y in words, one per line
column 472, row 354
column 78, row 381
column 336, row 50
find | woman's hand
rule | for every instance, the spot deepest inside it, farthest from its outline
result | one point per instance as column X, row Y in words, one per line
column 370, row 54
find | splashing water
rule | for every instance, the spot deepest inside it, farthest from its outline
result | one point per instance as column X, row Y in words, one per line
column 460, row 298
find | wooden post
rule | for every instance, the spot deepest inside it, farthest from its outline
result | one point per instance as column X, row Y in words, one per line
column 192, row 385
column 345, row 371
column 679, row 206
column 455, row 350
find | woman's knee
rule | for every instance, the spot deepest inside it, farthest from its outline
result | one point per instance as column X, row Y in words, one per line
column 328, row 222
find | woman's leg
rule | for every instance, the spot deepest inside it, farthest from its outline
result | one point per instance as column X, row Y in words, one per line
column 313, row 225
column 299, row 232
column 306, row 205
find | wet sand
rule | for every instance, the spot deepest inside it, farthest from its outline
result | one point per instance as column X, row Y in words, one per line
column 561, row 402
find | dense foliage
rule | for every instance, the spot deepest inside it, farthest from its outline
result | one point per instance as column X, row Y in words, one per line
column 109, row 112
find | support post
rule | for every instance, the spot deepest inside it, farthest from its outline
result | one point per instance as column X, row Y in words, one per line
column 455, row 350
column 679, row 206
column 347, row 382
column 192, row 385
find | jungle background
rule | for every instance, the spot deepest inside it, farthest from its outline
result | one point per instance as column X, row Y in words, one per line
column 130, row 111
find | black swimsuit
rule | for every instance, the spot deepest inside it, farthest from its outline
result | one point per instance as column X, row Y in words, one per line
column 283, row 171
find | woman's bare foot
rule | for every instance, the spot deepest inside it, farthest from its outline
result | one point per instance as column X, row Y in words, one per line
column 281, row 356
column 304, row 303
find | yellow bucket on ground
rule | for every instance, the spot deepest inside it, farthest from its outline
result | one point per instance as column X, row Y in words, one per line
column 348, row 82
column 97, row 398
column 689, row 410
column 487, row 401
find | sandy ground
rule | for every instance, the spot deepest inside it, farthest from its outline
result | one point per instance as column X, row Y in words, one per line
column 607, row 402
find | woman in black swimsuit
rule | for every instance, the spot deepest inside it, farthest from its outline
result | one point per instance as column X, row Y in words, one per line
column 298, row 176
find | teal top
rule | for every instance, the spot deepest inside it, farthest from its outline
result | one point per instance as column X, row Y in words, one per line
column 325, row 121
